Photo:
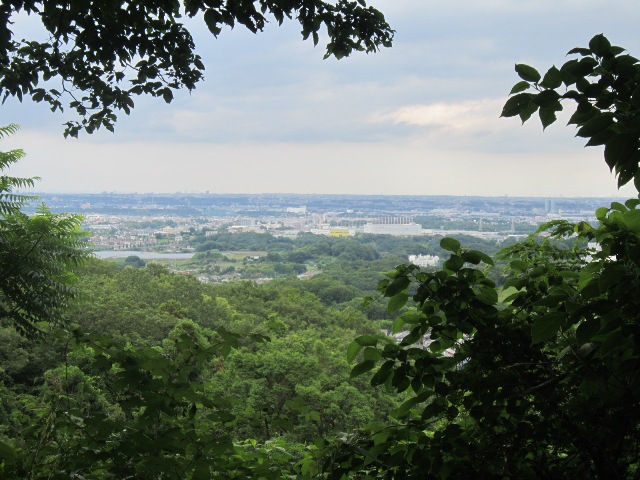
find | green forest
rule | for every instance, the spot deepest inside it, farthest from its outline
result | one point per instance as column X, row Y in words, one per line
column 517, row 363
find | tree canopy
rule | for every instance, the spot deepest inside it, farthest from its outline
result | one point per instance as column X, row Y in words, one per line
column 98, row 56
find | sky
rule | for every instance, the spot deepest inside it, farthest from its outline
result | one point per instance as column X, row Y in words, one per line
column 420, row 118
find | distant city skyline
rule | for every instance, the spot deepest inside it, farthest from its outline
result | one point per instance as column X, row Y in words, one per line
column 421, row 118
column 36, row 192
column 400, row 206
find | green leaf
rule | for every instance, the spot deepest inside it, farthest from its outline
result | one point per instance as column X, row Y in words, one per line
column 519, row 87
column 519, row 265
column 372, row 354
column 596, row 125
column 454, row 263
column 611, row 276
column 367, row 340
column 552, row 79
column 383, row 373
column 361, row 368
column 587, row 330
column 453, row 431
column 575, row 69
column 397, row 302
column 547, row 117
column 415, row 335
column 527, row 111
column 548, row 99
column 600, row 138
column 551, row 300
column 578, row 50
column 527, row 73
column 211, row 19
column 450, row 244
column 601, row 213
column 620, row 149
column 167, row 95
column 380, row 437
column 632, row 203
column 516, row 105
column 398, row 285
column 404, row 409
column 546, row 327
column 353, row 350
column 471, row 257
column 398, row 324
column 583, row 113
column 412, row 318
column 617, row 50
column 632, row 220
column 625, row 175
column 488, row 295
column 484, row 257
column 400, row 381
column 619, row 207
column 600, row 45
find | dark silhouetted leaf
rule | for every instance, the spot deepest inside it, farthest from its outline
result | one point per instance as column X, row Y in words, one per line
column 552, row 79
column 516, row 104
column 527, row 73
column 520, row 87
column 361, row 368
column 600, row 45
column 546, row 327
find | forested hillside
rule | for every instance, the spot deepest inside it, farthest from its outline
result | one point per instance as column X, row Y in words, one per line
column 275, row 365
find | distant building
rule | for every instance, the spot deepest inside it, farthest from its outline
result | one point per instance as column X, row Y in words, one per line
column 398, row 230
column 299, row 210
column 166, row 232
column 424, row 260
column 340, row 232
column 243, row 228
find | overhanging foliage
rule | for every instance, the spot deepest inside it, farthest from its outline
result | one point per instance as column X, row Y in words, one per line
column 100, row 55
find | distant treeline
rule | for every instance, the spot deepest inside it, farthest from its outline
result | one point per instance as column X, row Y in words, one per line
column 359, row 247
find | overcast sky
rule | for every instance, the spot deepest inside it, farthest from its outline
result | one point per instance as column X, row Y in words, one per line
column 420, row 118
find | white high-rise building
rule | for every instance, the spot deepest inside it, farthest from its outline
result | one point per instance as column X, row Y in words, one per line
column 424, row 260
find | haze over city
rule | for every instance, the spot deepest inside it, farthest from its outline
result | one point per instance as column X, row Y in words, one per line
column 420, row 118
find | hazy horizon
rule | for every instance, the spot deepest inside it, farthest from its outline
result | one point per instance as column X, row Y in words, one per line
column 202, row 193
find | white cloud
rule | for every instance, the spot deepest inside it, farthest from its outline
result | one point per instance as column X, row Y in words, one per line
column 452, row 117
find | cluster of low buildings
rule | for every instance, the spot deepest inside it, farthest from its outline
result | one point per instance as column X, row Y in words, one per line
column 150, row 226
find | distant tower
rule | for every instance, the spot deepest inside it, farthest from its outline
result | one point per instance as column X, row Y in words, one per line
column 513, row 226
column 480, row 224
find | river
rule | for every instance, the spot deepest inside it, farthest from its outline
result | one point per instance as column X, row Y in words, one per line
column 144, row 255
